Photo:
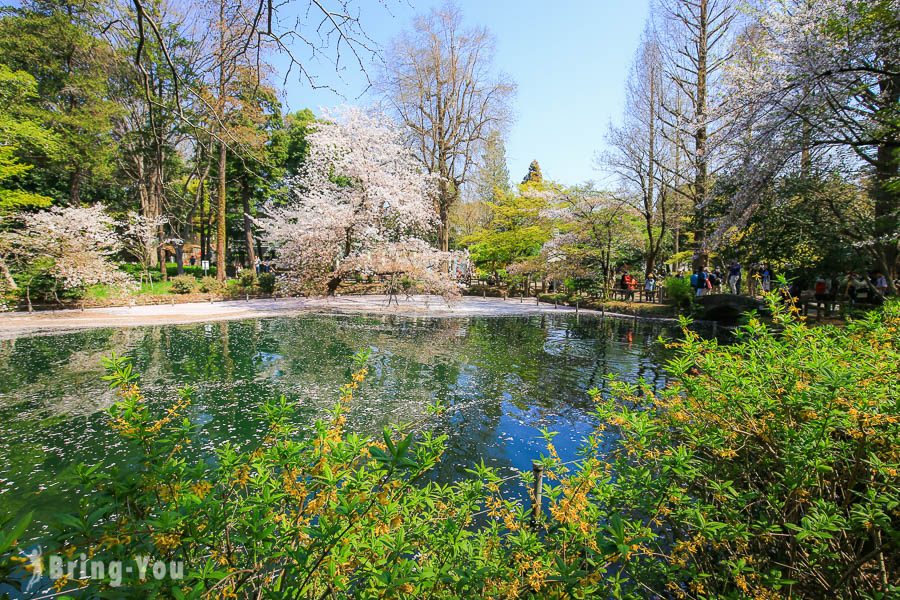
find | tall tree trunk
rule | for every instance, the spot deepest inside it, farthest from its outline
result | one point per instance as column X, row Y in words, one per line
column 651, row 173
column 446, row 197
column 179, row 257
column 701, row 254
column 220, row 220
column 248, row 223
column 887, row 203
column 75, row 187
column 202, row 221
column 223, row 153
column 444, row 229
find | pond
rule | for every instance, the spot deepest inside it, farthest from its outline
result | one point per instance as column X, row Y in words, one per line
column 502, row 379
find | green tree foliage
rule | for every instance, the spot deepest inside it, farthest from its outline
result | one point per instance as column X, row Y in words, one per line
column 290, row 142
column 21, row 133
column 534, row 175
column 804, row 227
column 517, row 230
column 54, row 42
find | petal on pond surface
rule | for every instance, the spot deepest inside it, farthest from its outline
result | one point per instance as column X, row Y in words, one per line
column 501, row 379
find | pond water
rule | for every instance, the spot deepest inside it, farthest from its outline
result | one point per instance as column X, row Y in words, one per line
column 503, row 378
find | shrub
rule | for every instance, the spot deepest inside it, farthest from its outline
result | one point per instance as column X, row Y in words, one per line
column 247, row 279
column 182, row 284
column 209, row 284
column 266, row 282
column 575, row 285
column 233, row 288
column 767, row 468
column 195, row 270
column 679, row 292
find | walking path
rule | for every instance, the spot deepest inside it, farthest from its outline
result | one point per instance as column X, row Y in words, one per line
column 45, row 322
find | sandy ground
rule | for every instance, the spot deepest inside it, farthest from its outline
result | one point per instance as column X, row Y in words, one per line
column 48, row 322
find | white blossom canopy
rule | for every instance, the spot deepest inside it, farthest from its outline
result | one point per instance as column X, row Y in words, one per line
column 78, row 241
column 361, row 195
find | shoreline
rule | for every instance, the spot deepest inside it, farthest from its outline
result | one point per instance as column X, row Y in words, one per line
column 18, row 324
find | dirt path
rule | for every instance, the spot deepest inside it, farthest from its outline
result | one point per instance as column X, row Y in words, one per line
column 48, row 322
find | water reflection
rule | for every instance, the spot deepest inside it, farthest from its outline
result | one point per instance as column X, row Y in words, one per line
column 502, row 379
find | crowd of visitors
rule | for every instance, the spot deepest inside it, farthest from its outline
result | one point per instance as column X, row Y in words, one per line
column 852, row 286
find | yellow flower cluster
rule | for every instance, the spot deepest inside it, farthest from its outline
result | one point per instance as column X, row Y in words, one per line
column 166, row 542
column 290, row 480
column 201, row 488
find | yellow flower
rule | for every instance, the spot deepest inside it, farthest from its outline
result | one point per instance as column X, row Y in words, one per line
column 201, row 488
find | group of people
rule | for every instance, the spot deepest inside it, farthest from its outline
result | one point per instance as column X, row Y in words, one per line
column 262, row 266
column 852, row 286
column 875, row 287
column 708, row 281
column 630, row 284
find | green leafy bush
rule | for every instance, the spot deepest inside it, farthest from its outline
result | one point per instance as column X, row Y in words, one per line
column 209, row 284
column 680, row 292
column 767, row 468
column 247, row 279
column 183, row 284
column 195, row 270
column 578, row 284
column 266, row 282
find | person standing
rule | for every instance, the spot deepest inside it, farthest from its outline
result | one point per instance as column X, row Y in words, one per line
column 702, row 282
column 881, row 283
column 650, row 287
column 630, row 284
column 715, row 281
column 734, row 278
column 852, row 289
column 820, row 290
column 766, row 279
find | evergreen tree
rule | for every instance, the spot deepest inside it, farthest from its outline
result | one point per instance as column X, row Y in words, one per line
column 492, row 177
column 293, row 139
column 534, row 173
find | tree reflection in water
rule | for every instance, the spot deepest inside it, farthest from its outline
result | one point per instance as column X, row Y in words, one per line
column 502, row 380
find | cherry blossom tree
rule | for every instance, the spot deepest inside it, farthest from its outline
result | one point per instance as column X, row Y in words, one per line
column 410, row 266
column 73, row 245
column 361, row 204
column 820, row 81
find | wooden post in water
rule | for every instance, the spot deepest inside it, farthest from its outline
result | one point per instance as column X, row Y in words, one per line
column 537, row 490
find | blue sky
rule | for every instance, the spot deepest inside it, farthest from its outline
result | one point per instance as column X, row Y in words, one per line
column 569, row 59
